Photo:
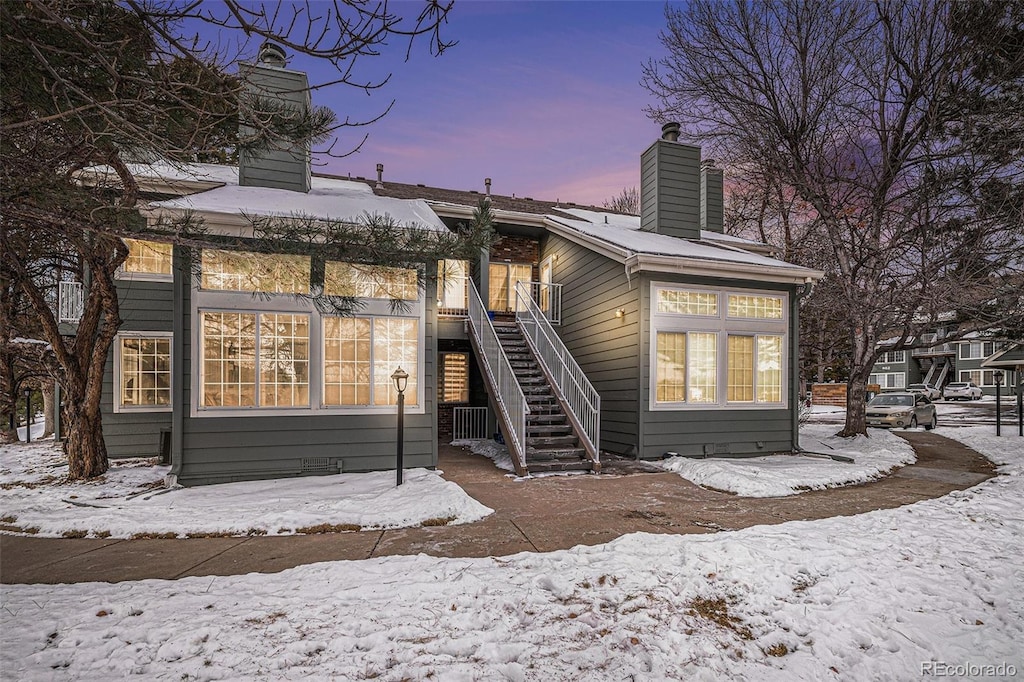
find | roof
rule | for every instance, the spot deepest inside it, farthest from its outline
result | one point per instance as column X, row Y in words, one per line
column 1010, row 357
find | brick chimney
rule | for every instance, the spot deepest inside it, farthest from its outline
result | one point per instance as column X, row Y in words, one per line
column 287, row 164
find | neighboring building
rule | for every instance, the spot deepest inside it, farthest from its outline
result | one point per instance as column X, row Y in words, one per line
column 580, row 331
column 940, row 362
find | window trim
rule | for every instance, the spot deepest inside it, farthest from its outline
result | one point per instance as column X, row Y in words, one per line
column 507, row 264
column 982, row 371
column 883, row 358
column 205, row 300
column 120, row 408
column 722, row 325
column 890, row 388
column 131, row 276
column 371, row 407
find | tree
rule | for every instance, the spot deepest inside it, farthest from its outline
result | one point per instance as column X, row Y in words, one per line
column 887, row 120
column 93, row 82
column 626, row 201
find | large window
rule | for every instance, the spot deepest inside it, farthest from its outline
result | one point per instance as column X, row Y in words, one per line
column 361, row 354
column 892, row 357
column 717, row 348
column 271, row 273
column 977, row 350
column 148, row 260
column 889, row 380
column 370, row 281
column 143, row 363
column 453, row 384
column 981, row 377
column 503, row 279
column 234, row 345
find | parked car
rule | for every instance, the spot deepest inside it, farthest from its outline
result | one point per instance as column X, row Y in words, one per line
column 932, row 392
column 908, row 410
column 961, row 390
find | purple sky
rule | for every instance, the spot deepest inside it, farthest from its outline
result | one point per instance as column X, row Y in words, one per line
column 543, row 97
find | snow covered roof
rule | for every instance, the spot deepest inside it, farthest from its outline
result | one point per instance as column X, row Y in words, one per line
column 620, row 236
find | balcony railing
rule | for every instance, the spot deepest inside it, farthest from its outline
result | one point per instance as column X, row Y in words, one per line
column 562, row 369
column 548, row 297
column 940, row 349
column 453, row 299
column 70, row 302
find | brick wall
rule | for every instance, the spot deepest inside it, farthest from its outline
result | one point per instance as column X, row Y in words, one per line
column 834, row 394
column 517, row 249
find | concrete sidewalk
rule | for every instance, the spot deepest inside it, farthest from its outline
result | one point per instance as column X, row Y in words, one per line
column 537, row 515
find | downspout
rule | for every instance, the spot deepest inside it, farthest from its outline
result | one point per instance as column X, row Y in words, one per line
column 182, row 272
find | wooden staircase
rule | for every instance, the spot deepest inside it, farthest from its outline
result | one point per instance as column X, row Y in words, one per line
column 551, row 443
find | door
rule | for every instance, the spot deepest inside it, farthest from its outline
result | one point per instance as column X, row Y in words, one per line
column 545, row 287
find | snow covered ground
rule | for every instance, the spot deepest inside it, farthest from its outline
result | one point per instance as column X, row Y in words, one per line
column 937, row 585
column 781, row 475
column 131, row 499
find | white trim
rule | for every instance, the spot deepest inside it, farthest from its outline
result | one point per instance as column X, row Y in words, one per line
column 723, row 326
column 884, row 387
column 983, row 371
column 126, row 276
column 118, row 370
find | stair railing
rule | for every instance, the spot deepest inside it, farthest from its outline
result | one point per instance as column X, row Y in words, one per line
column 505, row 389
column 578, row 394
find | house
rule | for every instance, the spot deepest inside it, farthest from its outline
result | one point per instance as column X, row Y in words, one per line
column 580, row 332
column 940, row 360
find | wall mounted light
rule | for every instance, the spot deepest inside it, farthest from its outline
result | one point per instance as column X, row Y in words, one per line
column 621, row 312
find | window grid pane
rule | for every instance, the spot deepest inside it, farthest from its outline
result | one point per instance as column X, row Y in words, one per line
column 755, row 307
column 687, row 302
column 284, row 360
column 145, row 372
column 148, row 257
column 395, row 344
column 453, row 287
column 671, row 368
column 702, row 374
column 502, row 279
column 454, row 386
column 370, row 281
column 346, row 361
column 229, row 360
column 769, row 369
column 260, row 272
column 741, row 369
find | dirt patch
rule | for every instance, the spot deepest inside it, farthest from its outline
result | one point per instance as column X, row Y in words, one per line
column 328, row 528
column 717, row 611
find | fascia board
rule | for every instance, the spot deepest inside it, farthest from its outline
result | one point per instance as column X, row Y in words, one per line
column 710, row 268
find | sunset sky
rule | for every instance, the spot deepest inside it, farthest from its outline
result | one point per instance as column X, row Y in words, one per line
column 543, row 97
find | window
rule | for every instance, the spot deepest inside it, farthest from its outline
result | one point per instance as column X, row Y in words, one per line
column 452, row 287
column 143, row 365
column 687, row 302
column 889, row 379
column 370, row 281
column 891, row 357
column 148, row 260
column 453, row 384
column 705, row 357
column 234, row 344
column 755, row 307
column 503, row 279
column 271, row 273
column 977, row 350
column 981, row 377
column 360, row 355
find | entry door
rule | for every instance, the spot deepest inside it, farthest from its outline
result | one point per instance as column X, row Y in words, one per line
column 545, row 288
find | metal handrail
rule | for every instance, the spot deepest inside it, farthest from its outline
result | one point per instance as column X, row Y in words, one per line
column 564, row 372
column 548, row 296
column 70, row 301
column 508, row 395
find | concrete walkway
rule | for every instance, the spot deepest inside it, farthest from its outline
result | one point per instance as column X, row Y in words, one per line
column 535, row 515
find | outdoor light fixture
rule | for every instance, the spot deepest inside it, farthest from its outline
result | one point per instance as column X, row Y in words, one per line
column 28, row 415
column 998, row 376
column 621, row 312
column 401, row 379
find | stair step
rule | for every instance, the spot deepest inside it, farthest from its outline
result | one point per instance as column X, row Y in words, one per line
column 549, row 418
column 546, row 455
column 533, row 430
column 551, row 441
column 531, row 380
column 542, row 403
column 550, row 467
column 538, row 390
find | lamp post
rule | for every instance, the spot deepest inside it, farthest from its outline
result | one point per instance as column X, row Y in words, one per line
column 28, row 415
column 401, row 379
column 1020, row 401
column 998, row 376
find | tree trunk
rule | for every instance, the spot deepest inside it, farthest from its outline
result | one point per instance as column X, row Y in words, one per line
column 47, row 391
column 857, row 386
column 85, row 439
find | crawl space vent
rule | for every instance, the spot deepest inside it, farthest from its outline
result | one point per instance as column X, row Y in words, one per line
column 319, row 465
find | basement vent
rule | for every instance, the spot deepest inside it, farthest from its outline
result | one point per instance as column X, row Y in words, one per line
column 319, row 465
column 721, row 448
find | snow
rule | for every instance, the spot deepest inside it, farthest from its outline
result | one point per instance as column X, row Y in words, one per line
column 490, row 449
column 131, row 499
column 782, row 475
column 622, row 231
column 868, row 597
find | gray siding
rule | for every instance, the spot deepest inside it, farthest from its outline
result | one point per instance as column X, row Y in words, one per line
column 670, row 189
column 224, row 449
column 712, row 200
column 605, row 346
column 286, row 167
column 145, row 306
column 715, row 431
